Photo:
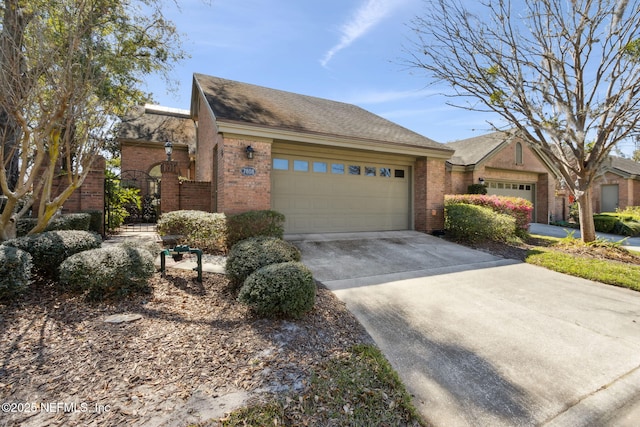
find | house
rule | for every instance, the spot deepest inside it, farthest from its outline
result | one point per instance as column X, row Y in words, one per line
column 328, row 166
column 618, row 186
column 507, row 166
column 331, row 166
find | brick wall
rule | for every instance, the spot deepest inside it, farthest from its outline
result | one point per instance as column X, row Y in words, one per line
column 169, row 187
column 436, row 172
column 207, row 134
column 420, row 195
column 143, row 157
column 194, row 195
column 236, row 192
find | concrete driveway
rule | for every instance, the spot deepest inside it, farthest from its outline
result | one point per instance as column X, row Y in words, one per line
column 483, row 341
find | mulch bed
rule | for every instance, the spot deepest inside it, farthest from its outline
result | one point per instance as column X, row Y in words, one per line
column 194, row 345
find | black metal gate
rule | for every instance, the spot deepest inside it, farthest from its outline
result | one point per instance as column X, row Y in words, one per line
column 132, row 201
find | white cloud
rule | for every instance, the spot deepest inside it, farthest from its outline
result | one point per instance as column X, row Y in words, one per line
column 365, row 18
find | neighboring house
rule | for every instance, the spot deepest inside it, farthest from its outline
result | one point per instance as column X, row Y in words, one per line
column 327, row 166
column 507, row 166
column 144, row 132
column 618, row 186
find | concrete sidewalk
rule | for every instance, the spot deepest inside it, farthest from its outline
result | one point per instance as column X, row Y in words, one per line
column 479, row 340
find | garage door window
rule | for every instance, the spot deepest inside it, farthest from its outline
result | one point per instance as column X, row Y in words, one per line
column 354, row 170
column 301, row 166
column 281, row 164
column 399, row 173
column 385, row 172
column 320, row 167
column 337, row 168
column 369, row 171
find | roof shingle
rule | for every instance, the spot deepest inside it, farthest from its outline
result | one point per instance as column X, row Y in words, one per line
column 256, row 105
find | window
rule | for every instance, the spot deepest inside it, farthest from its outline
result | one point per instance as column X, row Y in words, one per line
column 398, row 173
column 518, row 153
column 281, row 164
column 369, row 171
column 337, row 168
column 354, row 170
column 320, row 167
column 385, row 172
column 301, row 166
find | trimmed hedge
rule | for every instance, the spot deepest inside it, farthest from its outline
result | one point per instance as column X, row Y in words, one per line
column 112, row 271
column 605, row 223
column 249, row 255
column 74, row 221
column 95, row 222
column 51, row 248
column 516, row 207
column 254, row 223
column 285, row 289
column 473, row 223
column 15, row 271
column 203, row 230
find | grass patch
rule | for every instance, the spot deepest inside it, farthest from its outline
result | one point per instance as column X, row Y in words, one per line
column 599, row 270
column 356, row 389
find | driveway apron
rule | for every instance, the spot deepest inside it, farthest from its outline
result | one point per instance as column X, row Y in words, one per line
column 483, row 341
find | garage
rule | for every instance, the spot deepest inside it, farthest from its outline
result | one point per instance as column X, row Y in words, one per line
column 513, row 189
column 340, row 191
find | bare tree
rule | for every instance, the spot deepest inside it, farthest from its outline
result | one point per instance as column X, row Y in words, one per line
column 564, row 74
column 67, row 68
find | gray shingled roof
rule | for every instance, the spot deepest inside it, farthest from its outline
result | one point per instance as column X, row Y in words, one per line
column 256, row 105
column 625, row 165
column 158, row 124
column 471, row 151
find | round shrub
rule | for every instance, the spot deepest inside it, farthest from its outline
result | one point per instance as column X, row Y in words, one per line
column 15, row 271
column 198, row 229
column 253, row 224
column 286, row 289
column 473, row 223
column 50, row 248
column 248, row 255
column 112, row 271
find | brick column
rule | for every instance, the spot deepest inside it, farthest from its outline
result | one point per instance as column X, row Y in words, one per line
column 169, row 187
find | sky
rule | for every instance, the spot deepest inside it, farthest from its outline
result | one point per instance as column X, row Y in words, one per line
column 352, row 51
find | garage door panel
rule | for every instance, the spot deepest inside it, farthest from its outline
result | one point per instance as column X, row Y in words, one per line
column 328, row 202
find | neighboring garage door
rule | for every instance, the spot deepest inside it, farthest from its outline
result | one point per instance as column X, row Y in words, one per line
column 340, row 194
column 513, row 189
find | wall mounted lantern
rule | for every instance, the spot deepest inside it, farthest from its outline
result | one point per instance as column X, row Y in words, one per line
column 249, row 150
column 481, row 181
column 168, row 148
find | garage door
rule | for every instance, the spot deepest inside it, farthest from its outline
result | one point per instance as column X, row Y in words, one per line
column 332, row 194
column 513, row 189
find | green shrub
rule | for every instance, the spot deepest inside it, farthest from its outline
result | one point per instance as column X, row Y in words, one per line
column 15, row 271
column 248, row 255
column 473, row 223
column 477, row 189
column 254, row 223
column 627, row 228
column 516, row 207
column 72, row 221
column 605, row 223
column 149, row 245
column 199, row 229
column 50, row 248
column 112, row 271
column 95, row 222
column 286, row 289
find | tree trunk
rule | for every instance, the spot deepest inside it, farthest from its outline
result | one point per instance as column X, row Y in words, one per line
column 587, row 228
